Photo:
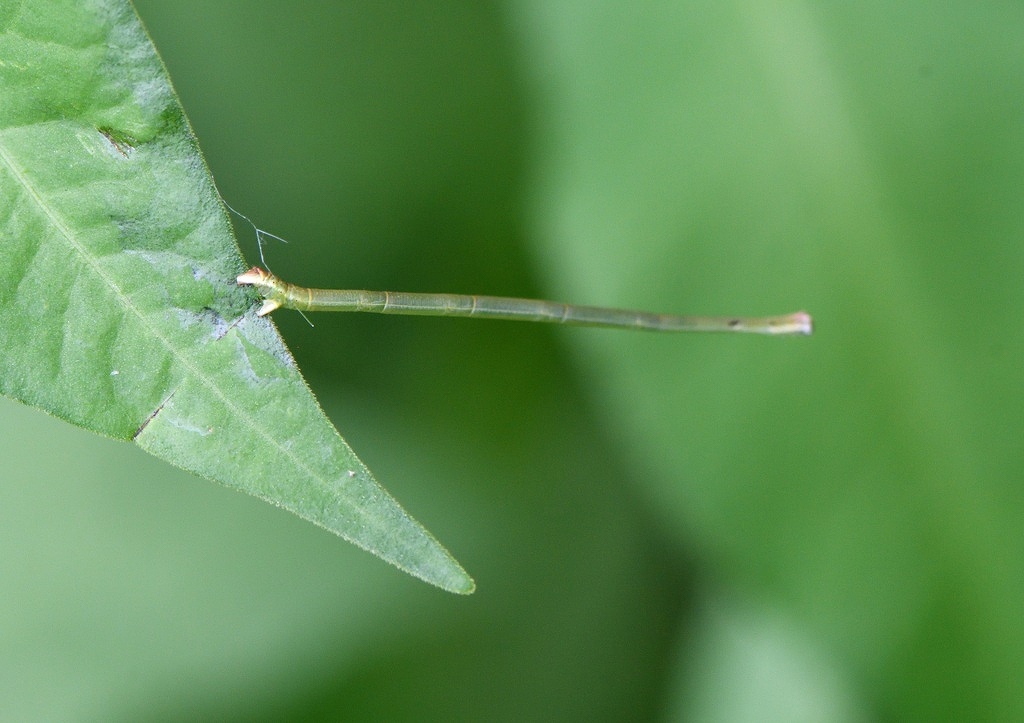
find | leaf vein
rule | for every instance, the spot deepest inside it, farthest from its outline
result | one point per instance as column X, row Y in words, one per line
column 124, row 299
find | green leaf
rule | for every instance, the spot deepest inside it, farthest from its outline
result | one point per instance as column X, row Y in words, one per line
column 118, row 307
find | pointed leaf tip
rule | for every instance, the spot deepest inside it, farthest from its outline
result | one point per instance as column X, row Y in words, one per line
column 119, row 305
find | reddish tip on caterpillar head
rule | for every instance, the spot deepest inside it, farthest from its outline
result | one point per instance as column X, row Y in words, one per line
column 798, row 323
column 802, row 323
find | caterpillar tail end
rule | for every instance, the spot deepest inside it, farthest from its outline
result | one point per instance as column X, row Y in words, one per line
column 253, row 277
column 268, row 306
column 260, row 279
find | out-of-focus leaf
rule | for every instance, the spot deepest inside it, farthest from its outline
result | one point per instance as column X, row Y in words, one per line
column 746, row 157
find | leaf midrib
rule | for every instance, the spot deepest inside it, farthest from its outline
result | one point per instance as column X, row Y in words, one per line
column 239, row 412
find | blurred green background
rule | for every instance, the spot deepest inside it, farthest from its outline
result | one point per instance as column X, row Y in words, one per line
column 661, row 528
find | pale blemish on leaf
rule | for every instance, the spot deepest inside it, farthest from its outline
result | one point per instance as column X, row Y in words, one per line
column 121, row 143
